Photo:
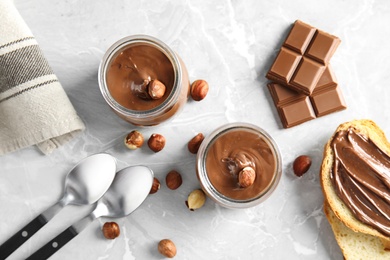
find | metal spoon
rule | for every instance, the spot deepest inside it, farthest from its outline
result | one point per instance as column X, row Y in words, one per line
column 129, row 189
column 84, row 185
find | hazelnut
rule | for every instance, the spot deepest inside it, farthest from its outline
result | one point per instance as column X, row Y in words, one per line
column 246, row 177
column 155, row 186
column 194, row 143
column 301, row 165
column 196, row 199
column 199, row 89
column 173, row 180
column 111, row 230
column 134, row 140
column 156, row 89
column 156, row 142
column 167, row 248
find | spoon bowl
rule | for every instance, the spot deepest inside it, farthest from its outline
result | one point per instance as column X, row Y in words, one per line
column 89, row 180
column 129, row 189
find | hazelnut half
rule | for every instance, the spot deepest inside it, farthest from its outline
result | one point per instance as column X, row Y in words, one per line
column 134, row 140
column 246, row 177
column 195, row 142
column 301, row 165
column 111, row 230
column 156, row 142
column 155, row 186
column 196, row 199
column 167, row 248
column 199, row 89
column 156, row 89
column 173, row 180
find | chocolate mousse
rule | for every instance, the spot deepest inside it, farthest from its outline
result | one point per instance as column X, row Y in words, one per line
column 131, row 71
column 235, row 150
column 143, row 80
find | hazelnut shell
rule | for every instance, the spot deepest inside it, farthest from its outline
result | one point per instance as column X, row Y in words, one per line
column 199, row 89
column 173, row 180
column 155, row 186
column 156, row 142
column 167, row 248
column 195, row 142
column 111, row 230
column 301, row 165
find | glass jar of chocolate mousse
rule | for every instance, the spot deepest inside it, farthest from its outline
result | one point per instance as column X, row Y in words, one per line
column 126, row 72
column 230, row 151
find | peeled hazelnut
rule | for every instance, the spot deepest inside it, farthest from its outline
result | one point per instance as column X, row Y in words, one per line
column 173, row 180
column 301, row 165
column 199, row 89
column 167, row 248
column 134, row 140
column 111, row 230
column 155, row 186
column 156, row 142
column 246, row 177
column 195, row 142
column 156, row 89
column 196, row 199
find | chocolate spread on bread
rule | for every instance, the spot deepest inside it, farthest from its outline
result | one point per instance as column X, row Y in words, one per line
column 361, row 178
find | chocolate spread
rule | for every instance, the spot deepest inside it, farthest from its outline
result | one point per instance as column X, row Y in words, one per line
column 230, row 153
column 361, row 177
column 130, row 72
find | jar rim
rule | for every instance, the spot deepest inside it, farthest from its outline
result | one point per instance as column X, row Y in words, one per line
column 124, row 43
column 207, row 186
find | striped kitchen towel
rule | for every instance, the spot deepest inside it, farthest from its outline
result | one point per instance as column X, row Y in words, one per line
column 34, row 108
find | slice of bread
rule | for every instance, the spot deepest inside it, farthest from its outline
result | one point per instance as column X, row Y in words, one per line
column 370, row 130
column 355, row 245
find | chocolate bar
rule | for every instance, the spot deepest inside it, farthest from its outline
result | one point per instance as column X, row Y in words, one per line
column 295, row 108
column 303, row 58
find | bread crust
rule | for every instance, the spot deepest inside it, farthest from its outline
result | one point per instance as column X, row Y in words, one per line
column 355, row 245
column 368, row 129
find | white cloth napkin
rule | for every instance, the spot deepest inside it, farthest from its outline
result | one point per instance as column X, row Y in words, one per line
column 34, row 108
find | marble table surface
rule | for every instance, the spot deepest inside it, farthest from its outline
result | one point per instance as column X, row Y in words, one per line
column 231, row 44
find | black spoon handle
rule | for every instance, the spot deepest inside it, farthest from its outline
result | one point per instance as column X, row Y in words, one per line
column 21, row 236
column 54, row 245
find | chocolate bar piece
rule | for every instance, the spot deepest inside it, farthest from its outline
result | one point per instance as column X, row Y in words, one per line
column 303, row 58
column 327, row 80
column 329, row 101
column 295, row 108
column 296, row 112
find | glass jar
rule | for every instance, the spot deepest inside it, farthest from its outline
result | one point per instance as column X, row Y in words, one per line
column 230, row 147
column 153, row 58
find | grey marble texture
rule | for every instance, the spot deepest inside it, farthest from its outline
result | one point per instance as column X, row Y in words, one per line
column 231, row 44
